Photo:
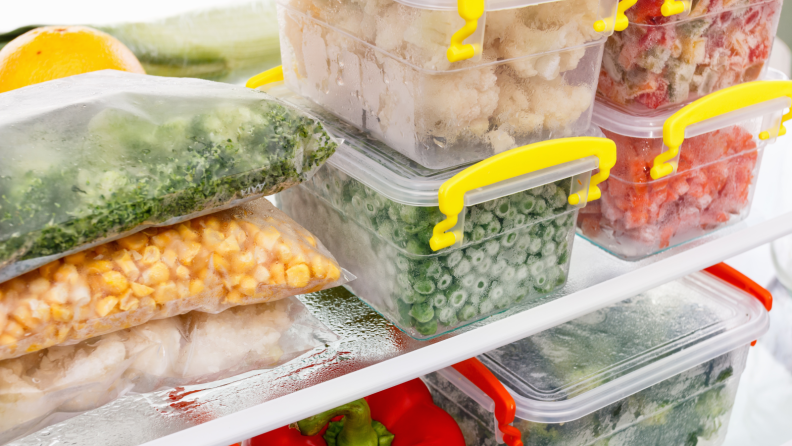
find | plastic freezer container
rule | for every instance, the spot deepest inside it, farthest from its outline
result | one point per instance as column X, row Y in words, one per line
column 659, row 62
column 683, row 175
column 527, row 73
column 661, row 368
column 433, row 250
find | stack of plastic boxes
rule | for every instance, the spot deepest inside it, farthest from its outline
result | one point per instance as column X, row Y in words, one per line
column 422, row 90
column 675, row 95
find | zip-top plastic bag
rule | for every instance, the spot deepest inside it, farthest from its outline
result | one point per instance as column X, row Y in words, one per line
column 250, row 254
column 49, row 386
column 91, row 158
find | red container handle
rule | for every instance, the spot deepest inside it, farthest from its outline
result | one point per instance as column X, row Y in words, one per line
column 505, row 407
column 735, row 278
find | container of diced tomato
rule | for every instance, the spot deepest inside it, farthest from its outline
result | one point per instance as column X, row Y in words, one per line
column 435, row 250
column 682, row 175
column 672, row 54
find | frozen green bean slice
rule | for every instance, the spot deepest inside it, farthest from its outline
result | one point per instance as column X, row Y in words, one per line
column 454, row 258
column 458, row 298
column 492, row 247
column 486, row 307
column 448, row 316
column 502, row 207
column 467, row 312
column 476, row 256
column 439, row 301
column 444, row 281
column 422, row 312
column 424, row 286
column 427, row 328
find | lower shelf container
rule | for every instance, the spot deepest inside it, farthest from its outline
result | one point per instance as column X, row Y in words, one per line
column 661, row 368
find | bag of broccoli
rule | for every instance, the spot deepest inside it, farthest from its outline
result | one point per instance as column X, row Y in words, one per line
column 95, row 157
column 45, row 387
column 247, row 255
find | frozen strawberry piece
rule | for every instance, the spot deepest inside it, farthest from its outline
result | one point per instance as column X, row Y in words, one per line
column 712, row 184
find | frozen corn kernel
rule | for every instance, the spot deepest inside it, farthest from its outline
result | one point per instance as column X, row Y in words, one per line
column 183, row 289
column 48, row 271
column 261, row 274
column 250, row 229
column 182, row 272
column 188, row 252
column 66, row 273
column 228, row 246
column 129, row 303
column 7, row 339
column 236, row 231
column 196, row 286
column 134, row 242
column 187, row 233
column 38, row 286
column 169, row 257
column 319, row 266
column 156, row 274
column 3, row 320
column 201, row 260
column 232, row 280
column 140, row 290
column 98, row 266
column 166, row 293
column 242, row 262
column 62, row 313
column 247, row 285
column 15, row 329
column 283, row 252
column 75, row 259
column 310, row 239
column 296, row 259
column 151, row 255
column 19, row 285
column 40, row 310
column 212, row 238
column 234, row 297
column 212, row 223
column 333, row 273
column 220, row 264
column 24, row 316
column 165, row 238
column 105, row 305
column 277, row 274
column 267, row 238
column 58, row 294
column 115, row 282
column 298, row 276
column 148, row 304
column 80, row 294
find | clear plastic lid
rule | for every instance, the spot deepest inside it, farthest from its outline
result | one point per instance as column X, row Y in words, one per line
column 571, row 370
column 613, row 119
column 489, row 5
column 404, row 181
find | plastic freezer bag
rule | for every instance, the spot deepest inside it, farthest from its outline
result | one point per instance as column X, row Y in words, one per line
column 250, row 254
column 91, row 158
column 46, row 387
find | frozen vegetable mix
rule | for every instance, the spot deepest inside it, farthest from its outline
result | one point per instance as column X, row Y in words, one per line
column 246, row 255
column 44, row 387
column 94, row 157
column 661, row 61
column 382, row 66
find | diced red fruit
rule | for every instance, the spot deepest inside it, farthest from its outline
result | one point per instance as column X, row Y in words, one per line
column 656, row 98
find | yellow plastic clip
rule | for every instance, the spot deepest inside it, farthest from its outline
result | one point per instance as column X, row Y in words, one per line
column 674, row 7
column 267, row 77
column 516, row 162
column 470, row 11
column 621, row 18
column 716, row 104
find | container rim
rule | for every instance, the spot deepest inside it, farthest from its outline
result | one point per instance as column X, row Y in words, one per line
column 699, row 17
column 600, row 41
column 755, row 323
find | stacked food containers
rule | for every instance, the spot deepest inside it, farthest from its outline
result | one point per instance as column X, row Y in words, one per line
column 447, row 83
column 660, row 368
column 433, row 250
column 680, row 175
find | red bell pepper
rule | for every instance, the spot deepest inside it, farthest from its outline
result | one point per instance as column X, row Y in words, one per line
column 406, row 411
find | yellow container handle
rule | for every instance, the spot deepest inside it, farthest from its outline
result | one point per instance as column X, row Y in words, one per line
column 516, row 162
column 716, row 104
column 470, row 11
column 621, row 18
column 674, row 7
column 267, row 77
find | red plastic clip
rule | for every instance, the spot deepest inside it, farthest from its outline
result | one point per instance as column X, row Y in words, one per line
column 741, row 281
column 505, row 407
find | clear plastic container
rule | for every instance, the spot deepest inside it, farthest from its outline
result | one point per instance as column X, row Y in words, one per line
column 660, row 62
column 510, row 225
column 660, row 368
column 659, row 196
column 384, row 67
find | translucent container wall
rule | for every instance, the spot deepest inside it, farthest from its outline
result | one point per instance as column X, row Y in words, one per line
column 381, row 66
column 661, row 62
column 516, row 250
column 691, row 408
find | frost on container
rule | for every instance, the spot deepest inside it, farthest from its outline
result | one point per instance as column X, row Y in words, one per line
column 658, row 62
column 376, row 210
column 661, row 368
column 246, row 255
column 712, row 187
column 381, row 65
column 48, row 386
column 92, row 158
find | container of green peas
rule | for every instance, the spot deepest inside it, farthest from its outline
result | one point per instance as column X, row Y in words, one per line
column 434, row 250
